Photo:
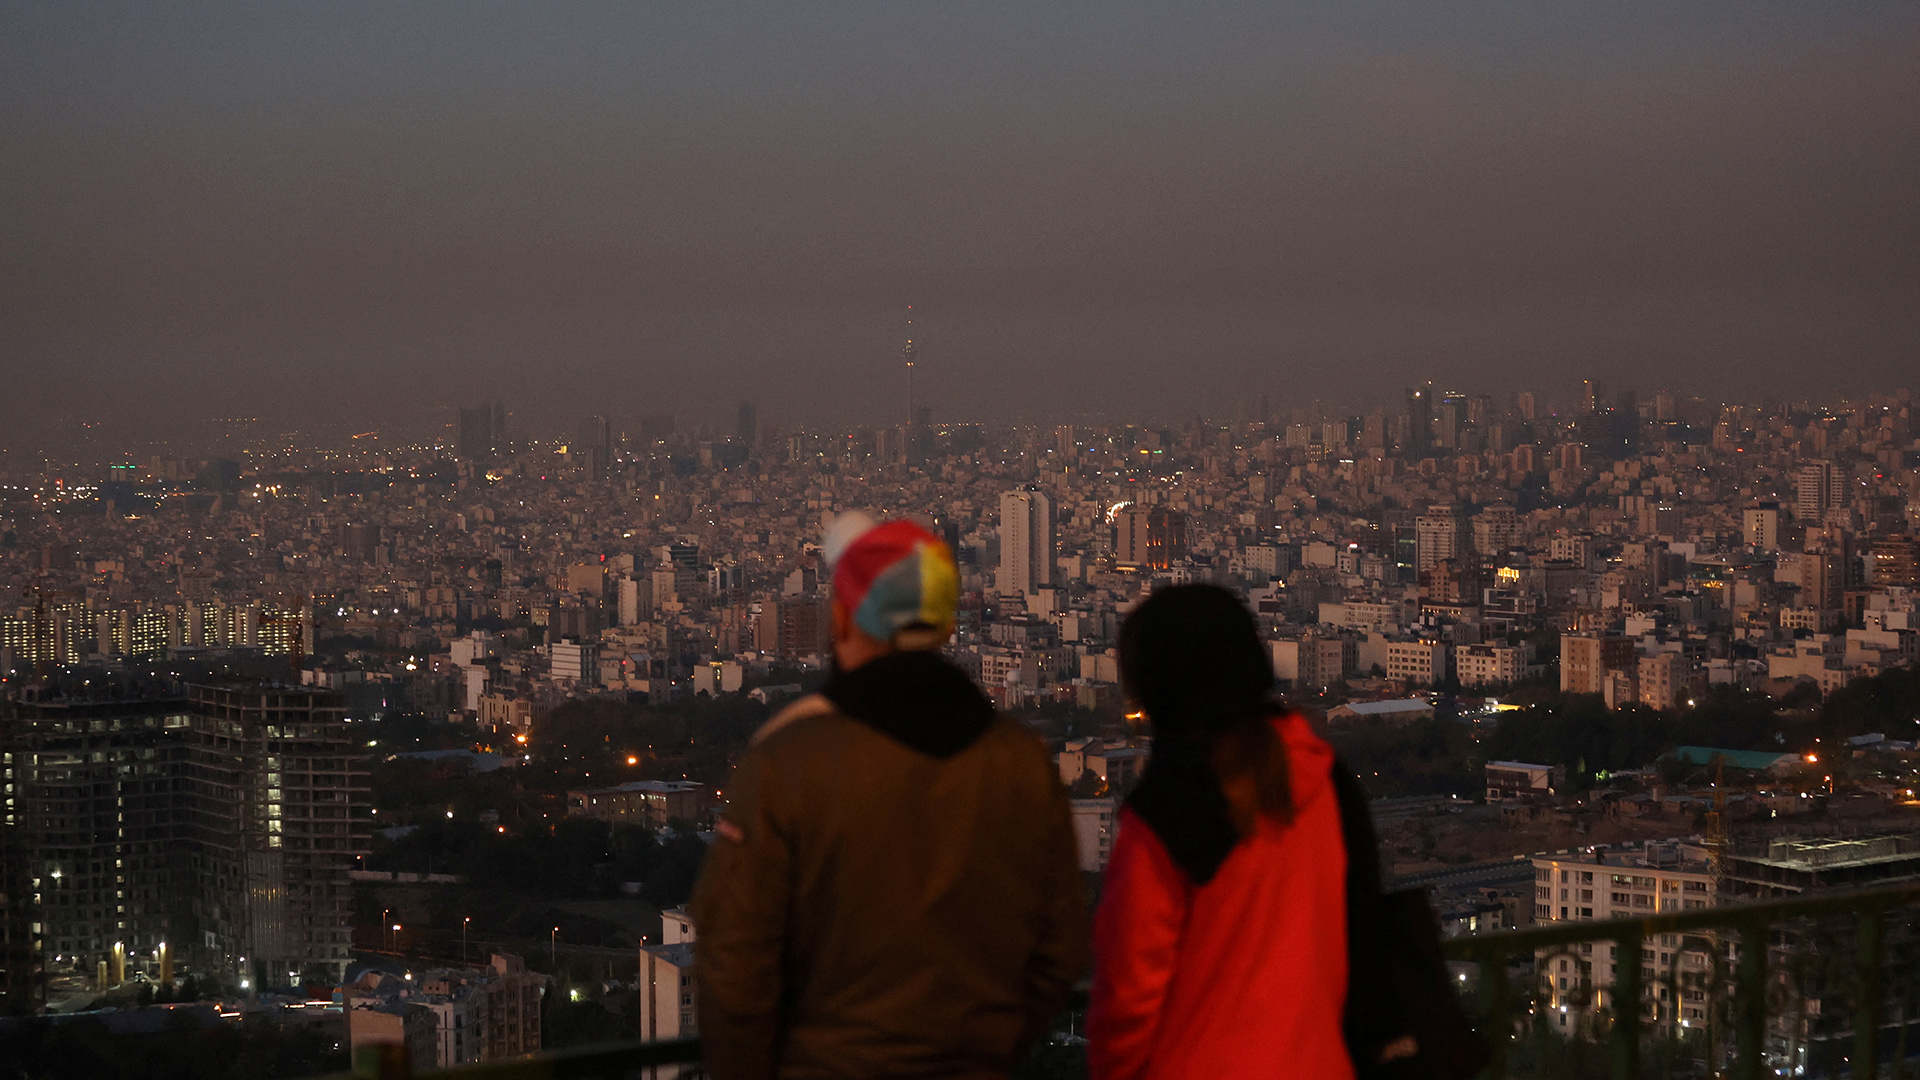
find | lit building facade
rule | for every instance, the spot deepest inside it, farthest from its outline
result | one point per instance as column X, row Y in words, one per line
column 1026, row 542
column 223, row 825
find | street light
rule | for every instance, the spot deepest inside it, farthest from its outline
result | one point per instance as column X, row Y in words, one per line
column 553, row 955
column 463, row 937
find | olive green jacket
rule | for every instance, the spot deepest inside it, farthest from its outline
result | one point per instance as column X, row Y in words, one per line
column 870, row 909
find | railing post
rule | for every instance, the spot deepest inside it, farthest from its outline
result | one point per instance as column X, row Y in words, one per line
column 1498, row 1005
column 1751, row 1001
column 1866, row 1012
column 1626, row 1002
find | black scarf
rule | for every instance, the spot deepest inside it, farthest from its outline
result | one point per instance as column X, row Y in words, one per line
column 916, row 697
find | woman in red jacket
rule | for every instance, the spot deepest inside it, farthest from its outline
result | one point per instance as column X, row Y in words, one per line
column 1221, row 945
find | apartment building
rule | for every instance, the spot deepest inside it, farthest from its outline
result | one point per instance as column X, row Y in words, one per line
column 647, row 803
column 1095, row 822
column 1417, row 663
column 222, row 825
column 451, row 1016
column 1592, row 885
column 1492, row 665
column 1520, row 780
column 1663, row 680
column 1587, row 659
column 668, row 1008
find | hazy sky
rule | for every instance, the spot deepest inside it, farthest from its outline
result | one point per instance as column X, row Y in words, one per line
column 366, row 212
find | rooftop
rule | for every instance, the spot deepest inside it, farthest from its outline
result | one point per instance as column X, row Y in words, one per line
column 1755, row 760
column 1828, row 853
column 1684, row 856
column 1373, row 708
column 664, row 787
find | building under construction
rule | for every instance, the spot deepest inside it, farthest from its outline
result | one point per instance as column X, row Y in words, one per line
column 1792, row 865
column 218, row 828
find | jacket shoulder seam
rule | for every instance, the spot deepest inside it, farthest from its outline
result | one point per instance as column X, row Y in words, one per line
column 804, row 709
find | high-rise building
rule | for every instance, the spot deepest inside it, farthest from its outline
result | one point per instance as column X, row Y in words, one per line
column 1400, row 544
column 1817, row 489
column 1761, row 525
column 656, row 428
column 1373, row 430
column 1419, row 421
column 574, row 662
column 483, row 431
column 1495, row 529
column 1895, row 560
column 595, row 432
column 635, row 600
column 919, row 435
column 748, row 428
column 218, row 830
column 282, row 800
column 1823, row 573
column 804, row 626
column 1592, row 396
column 1026, row 541
column 1439, row 534
column 92, row 831
column 1447, row 422
column 1150, row 537
column 593, row 446
column 1587, row 659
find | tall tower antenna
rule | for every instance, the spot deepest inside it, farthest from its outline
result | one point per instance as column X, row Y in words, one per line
column 908, row 354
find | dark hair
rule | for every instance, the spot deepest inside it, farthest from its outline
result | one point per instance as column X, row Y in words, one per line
column 1192, row 659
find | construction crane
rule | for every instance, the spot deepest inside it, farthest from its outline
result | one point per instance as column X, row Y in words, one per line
column 1718, row 842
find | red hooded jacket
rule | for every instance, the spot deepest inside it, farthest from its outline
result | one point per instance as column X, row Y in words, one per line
column 1245, row 976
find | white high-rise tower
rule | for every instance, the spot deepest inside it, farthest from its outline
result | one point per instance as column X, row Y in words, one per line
column 1026, row 541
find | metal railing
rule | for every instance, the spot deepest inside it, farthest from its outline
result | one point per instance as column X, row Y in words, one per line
column 603, row 1061
column 1785, row 1008
column 1771, row 988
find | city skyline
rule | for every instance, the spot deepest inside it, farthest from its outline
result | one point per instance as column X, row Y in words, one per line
column 58, row 442
column 542, row 645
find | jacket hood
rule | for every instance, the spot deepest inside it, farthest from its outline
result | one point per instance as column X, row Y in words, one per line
column 1179, row 796
column 917, row 698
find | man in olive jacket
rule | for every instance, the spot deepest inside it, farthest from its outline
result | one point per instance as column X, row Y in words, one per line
column 895, row 889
